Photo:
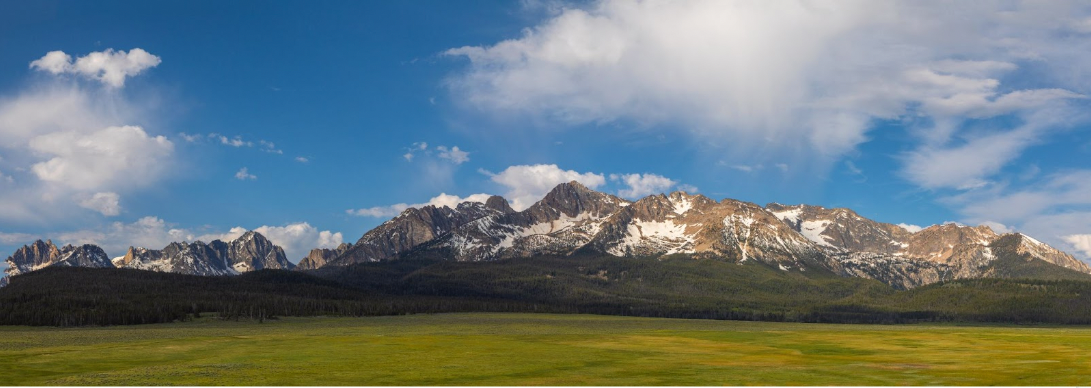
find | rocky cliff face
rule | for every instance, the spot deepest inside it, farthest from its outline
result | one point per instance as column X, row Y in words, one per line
column 573, row 218
column 416, row 226
column 41, row 254
column 249, row 252
column 841, row 229
column 318, row 257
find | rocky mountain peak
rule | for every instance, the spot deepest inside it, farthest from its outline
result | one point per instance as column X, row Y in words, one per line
column 841, row 228
column 318, row 257
column 249, row 252
column 38, row 254
column 653, row 208
column 499, row 204
column 256, row 237
column 1036, row 249
column 573, row 198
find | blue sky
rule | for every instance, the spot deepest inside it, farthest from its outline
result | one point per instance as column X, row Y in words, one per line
column 131, row 123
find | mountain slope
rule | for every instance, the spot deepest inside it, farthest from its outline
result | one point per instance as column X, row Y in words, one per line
column 414, row 227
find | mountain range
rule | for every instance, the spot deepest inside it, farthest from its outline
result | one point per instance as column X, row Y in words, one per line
column 248, row 252
column 573, row 219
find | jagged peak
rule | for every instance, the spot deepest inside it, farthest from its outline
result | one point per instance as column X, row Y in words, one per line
column 954, row 226
column 499, row 203
column 776, row 206
column 251, row 235
column 573, row 198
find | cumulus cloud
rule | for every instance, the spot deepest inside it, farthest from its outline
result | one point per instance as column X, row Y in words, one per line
column 109, row 67
column 236, row 141
column 189, row 138
column 806, row 79
column 104, row 158
column 526, row 184
column 1081, row 242
column 68, row 142
column 116, row 238
column 105, row 203
column 642, row 185
column 270, row 147
column 453, row 154
column 436, row 165
column 441, row 200
column 302, row 159
column 243, row 174
column 911, row 228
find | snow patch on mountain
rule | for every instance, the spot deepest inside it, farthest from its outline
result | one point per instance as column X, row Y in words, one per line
column 812, row 230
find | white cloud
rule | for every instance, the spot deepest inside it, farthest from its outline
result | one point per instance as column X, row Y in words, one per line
column 690, row 189
column 302, row 159
column 642, row 185
column 1058, row 191
column 1049, row 208
column 911, row 228
column 804, row 79
column 116, row 238
column 105, row 203
column 269, row 147
column 236, row 141
column 997, row 227
column 101, row 159
column 441, row 200
column 70, row 141
column 746, row 168
column 189, row 138
column 966, row 166
column 55, row 62
column 243, row 174
column 526, row 184
column 1081, row 242
column 379, row 211
column 109, row 66
column 16, row 238
column 453, row 154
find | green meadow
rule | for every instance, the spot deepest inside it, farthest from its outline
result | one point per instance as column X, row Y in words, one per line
column 541, row 349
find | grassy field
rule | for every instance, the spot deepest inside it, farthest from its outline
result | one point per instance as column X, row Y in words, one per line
column 532, row 349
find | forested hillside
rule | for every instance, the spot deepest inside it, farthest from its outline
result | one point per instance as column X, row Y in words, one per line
column 673, row 287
